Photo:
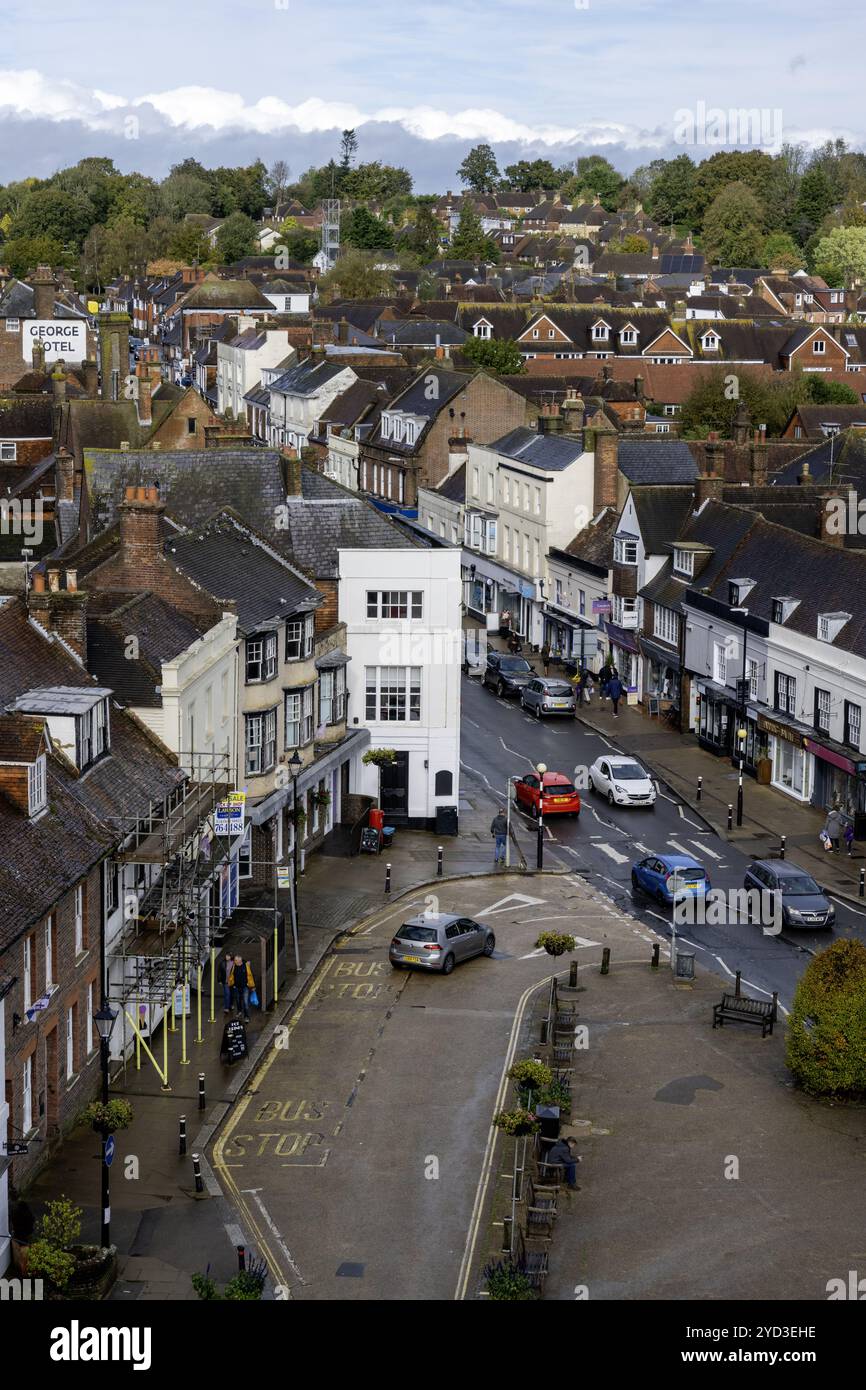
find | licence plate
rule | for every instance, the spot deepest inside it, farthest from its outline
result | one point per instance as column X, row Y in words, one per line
column 557, row 799
column 416, row 960
column 561, row 704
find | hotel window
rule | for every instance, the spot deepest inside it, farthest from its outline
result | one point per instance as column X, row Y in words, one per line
column 538, row 501
column 13, row 325
column 753, row 672
column 70, row 1042
column 332, row 696
column 261, row 741
column 299, row 717
column 822, row 711
column 852, row 725
column 395, row 603
column 299, row 637
column 393, row 693
column 261, row 658
column 88, row 1034
column 720, row 663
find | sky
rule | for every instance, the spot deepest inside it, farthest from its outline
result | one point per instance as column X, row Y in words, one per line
column 227, row 81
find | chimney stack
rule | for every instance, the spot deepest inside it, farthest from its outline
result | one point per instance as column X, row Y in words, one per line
column 64, row 465
column 574, row 410
column 742, row 420
column 140, row 515
column 709, row 485
column 638, row 387
column 113, row 353
column 38, row 355
column 91, row 378
column 804, row 477
column 760, row 456
column 143, row 401
column 605, row 467
column 831, row 534
column 43, row 292
column 58, row 384
column 60, row 610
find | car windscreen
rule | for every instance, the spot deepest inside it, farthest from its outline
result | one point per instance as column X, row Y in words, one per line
column 628, row 772
column 514, row 663
column 558, row 789
column 687, row 875
column 559, row 691
column 409, row 933
column 799, row 887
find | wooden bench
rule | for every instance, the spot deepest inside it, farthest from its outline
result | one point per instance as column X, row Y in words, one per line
column 563, row 1053
column 739, row 1009
column 540, row 1209
column 533, row 1263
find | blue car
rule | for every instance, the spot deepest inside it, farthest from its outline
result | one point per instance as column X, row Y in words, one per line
column 666, row 876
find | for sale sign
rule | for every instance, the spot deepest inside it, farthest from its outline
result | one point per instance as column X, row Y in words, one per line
column 66, row 338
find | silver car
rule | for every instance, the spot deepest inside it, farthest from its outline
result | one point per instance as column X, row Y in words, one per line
column 439, row 942
column 548, row 695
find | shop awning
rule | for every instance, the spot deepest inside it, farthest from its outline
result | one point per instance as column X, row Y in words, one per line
column 836, row 753
column 660, row 654
column 622, row 638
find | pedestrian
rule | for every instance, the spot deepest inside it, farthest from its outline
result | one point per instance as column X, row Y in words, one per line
column 833, row 828
column 563, row 1152
column 242, row 983
column 588, row 687
column 614, row 690
column 849, row 838
column 224, row 970
column 499, row 831
column 545, row 658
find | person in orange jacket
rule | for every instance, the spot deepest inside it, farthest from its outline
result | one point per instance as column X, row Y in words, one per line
column 242, row 982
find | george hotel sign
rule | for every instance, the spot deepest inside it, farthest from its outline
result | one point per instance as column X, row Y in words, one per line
column 66, row 338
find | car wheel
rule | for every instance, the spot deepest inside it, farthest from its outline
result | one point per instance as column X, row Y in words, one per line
column 538, row 713
column 448, row 964
column 635, row 881
column 592, row 786
column 610, row 799
column 395, row 965
column 490, row 945
column 661, row 899
column 533, row 811
column 500, row 689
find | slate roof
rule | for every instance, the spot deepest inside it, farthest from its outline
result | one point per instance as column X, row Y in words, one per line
column 222, row 295
column 594, row 543
column 648, row 460
column 454, row 485
column 320, row 527
column 661, row 512
column 422, row 333
column 552, row 453
column 306, row 378
column 721, row 529
column 31, row 418
column 844, row 453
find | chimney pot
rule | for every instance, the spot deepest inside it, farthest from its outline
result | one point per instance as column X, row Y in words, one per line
column 54, row 580
column 38, row 582
column 72, row 581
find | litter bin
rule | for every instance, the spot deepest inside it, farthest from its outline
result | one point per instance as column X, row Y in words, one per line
column 685, row 966
column 387, row 836
column 446, row 820
column 549, row 1117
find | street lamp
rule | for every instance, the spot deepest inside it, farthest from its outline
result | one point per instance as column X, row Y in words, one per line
column 742, row 731
column 295, row 765
column 541, row 768
column 104, row 1019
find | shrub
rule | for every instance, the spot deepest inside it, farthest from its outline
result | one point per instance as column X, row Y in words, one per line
column 557, row 1093
column 516, row 1122
column 379, row 757
column 244, row 1287
column 61, row 1224
column 531, row 1076
column 506, row 1280
column 47, row 1262
column 826, row 1045
column 113, row 1115
column 555, row 943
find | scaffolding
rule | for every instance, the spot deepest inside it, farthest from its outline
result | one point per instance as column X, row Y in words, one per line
column 330, row 231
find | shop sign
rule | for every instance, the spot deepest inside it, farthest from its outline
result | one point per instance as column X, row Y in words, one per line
column 772, row 726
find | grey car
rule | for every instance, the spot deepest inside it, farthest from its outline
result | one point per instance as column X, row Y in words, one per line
column 804, row 904
column 548, row 695
column 439, row 942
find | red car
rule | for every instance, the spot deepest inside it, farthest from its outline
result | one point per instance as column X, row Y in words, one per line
column 559, row 794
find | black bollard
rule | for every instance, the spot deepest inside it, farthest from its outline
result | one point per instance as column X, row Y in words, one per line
column 572, row 975
column 196, row 1168
column 605, row 960
column 700, row 788
column 775, row 1004
column 387, row 878
column 654, row 963
column 782, row 847
column 182, row 1136
column 737, row 984
column 242, row 1258
column 506, row 1236
column 201, row 1096
column 439, row 856
column 730, row 816
column 862, row 882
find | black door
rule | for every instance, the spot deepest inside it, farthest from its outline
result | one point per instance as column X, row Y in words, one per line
column 394, row 788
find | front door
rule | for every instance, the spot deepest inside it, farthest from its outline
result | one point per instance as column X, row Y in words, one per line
column 394, row 789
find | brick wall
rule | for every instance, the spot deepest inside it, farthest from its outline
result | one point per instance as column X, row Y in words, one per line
column 56, row 1100
column 29, row 452
column 175, row 433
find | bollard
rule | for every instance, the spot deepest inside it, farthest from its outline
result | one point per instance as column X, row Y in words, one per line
column 775, row 1005
column 737, row 984
column 182, row 1136
column 782, row 847
column 700, row 788
column 196, row 1168
column 572, row 975
column 506, row 1236
column 862, row 882
column 201, row 1099
column 387, row 878
column 605, row 960
column 730, row 816
column 439, row 854
column 654, row 963
column 544, row 1031
column 242, row 1258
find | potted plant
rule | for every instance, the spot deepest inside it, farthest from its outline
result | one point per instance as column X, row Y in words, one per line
column 321, row 798
column 298, row 816
column 517, row 1122
column 109, row 1117
column 557, row 1093
column 555, row 943
column 530, row 1076
column 505, row 1280
column 379, row 757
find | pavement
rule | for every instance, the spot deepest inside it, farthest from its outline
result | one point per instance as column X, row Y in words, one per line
column 163, row 1230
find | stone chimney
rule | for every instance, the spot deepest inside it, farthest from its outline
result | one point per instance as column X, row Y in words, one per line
column 113, row 353
column 655, row 252
column 760, row 452
column 292, row 470
column 143, row 401
column 38, row 355
column 91, row 378
column 458, row 451
column 574, row 410
column 64, row 467
column 58, row 384
column 829, row 529
column 709, row 485
column 742, row 420
column 61, row 608
column 605, row 467
column 804, row 477
column 43, row 292
column 140, row 515
column 606, row 372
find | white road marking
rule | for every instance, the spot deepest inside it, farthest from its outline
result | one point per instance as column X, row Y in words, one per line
column 380, row 921
column 749, row 984
column 843, row 902
column 254, row 1193
column 643, row 849
column 471, row 721
column 509, row 904
column 614, row 854
column 684, row 817
column 681, row 849
column 524, row 757
column 705, row 849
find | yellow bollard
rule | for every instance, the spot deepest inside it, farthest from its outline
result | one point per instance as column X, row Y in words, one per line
column 199, row 1037
column 165, row 1053
column 137, row 1035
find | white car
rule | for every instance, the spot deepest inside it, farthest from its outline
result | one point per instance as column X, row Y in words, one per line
column 623, row 781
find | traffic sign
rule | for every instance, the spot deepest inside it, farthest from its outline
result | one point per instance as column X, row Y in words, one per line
column 108, row 1153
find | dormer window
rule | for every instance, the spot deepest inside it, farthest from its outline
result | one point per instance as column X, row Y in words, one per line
column 710, row 342
column 482, row 329
column 830, row 625
column 600, row 332
column 738, row 590
column 628, row 336
column 625, row 550
column 37, row 786
column 77, row 719
column 684, row 562
column 782, row 608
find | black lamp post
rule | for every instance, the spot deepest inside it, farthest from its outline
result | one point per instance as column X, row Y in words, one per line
column 104, row 1019
column 295, row 766
column 741, row 709
column 539, row 847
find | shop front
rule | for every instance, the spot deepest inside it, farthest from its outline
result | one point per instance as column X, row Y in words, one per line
column 625, row 655
column 720, row 724
column 790, row 759
column 839, row 781
column 571, row 639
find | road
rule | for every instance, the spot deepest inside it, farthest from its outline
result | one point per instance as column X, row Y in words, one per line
column 499, row 740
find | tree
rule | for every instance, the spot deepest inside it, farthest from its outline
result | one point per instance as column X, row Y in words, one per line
column 470, row 242
column 718, row 394
column 826, row 1042
column 360, row 228
column 479, row 170
column 634, row 245
column 423, row 239
column 822, row 392
column 733, row 227
column 25, row 253
column 356, row 276
column 529, row 174
column 300, row 245
column 671, row 193
column 183, row 192
column 276, row 181
column 237, row 237
column 375, row 182
column 597, row 175
column 188, row 243
column 814, row 201
column 752, row 167
column 782, row 252
column 840, row 257
column 498, row 355
column 67, row 217
column 348, row 149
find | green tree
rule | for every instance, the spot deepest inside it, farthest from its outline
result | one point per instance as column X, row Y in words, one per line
column 840, row 257
column 237, row 237
column 360, row 228
column 718, row 393
column 470, row 242
column 53, row 212
column 188, row 243
column 495, row 354
column 300, row 245
column 355, row 276
column 529, row 174
column 184, row 192
column 348, row 149
column 671, row 193
column 479, row 170
column 597, row 175
column 823, row 392
column 423, row 239
column 634, row 245
column 826, row 1042
column 751, row 167
column 780, row 250
column 375, row 182
column 22, row 254
column 814, row 202
column 137, row 199
column 733, row 227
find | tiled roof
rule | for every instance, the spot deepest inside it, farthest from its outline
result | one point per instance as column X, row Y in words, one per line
column 646, row 460
column 552, row 453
